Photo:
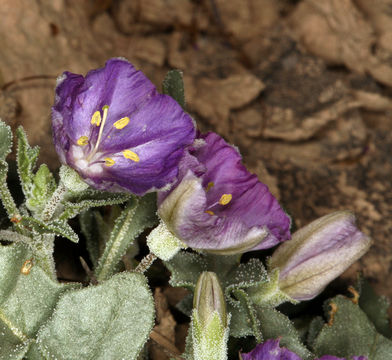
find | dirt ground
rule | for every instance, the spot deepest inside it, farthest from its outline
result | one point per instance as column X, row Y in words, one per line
column 303, row 88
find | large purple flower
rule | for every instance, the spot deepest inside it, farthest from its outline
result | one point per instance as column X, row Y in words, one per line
column 116, row 131
column 218, row 206
column 270, row 350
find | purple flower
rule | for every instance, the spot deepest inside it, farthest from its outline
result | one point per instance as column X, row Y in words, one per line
column 116, row 131
column 317, row 254
column 330, row 357
column 218, row 206
column 270, row 350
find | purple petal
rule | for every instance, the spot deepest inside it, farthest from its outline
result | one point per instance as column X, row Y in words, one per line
column 330, row 357
column 270, row 350
column 155, row 132
column 250, row 218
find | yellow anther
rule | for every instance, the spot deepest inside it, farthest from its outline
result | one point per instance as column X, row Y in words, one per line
column 209, row 186
column 109, row 162
column 128, row 154
column 209, row 212
column 26, row 267
column 225, row 199
column 122, row 123
column 96, row 118
column 83, row 141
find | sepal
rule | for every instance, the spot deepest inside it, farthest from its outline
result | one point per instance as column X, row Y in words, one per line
column 163, row 244
column 268, row 293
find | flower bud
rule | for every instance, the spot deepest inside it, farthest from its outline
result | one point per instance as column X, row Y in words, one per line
column 209, row 324
column 209, row 298
column 317, row 254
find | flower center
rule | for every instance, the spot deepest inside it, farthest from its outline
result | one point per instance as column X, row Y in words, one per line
column 98, row 120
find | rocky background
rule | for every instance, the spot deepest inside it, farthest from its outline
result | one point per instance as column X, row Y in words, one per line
column 302, row 87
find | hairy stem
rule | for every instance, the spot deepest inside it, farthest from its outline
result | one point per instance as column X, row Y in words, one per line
column 145, row 263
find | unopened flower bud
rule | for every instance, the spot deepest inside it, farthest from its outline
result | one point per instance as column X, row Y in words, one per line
column 209, row 298
column 317, row 254
column 209, row 324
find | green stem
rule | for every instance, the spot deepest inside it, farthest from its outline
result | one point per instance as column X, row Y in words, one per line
column 54, row 201
column 116, row 246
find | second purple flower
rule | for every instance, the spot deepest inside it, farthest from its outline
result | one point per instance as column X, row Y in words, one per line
column 218, row 206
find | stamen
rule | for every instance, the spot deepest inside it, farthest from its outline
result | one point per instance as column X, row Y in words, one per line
column 209, row 186
column 209, row 212
column 109, row 161
column 122, row 123
column 225, row 199
column 104, row 117
column 128, row 154
column 82, row 141
column 96, row 118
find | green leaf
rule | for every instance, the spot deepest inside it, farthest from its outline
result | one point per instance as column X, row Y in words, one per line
column 42, row 188
column 315, row 327
column 26, row 159
column 273, row 324
column 375, row 307
column 108, row 321
column 56, row 227
column 82, row 201
column 185, row 268
column 139, row 215
column 5, row 140
column 173, row 85
column 244, row 314
column 5, row 194
column 351, row 333
column 27, row 299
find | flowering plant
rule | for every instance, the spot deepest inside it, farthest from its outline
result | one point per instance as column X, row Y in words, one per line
column 135, row 171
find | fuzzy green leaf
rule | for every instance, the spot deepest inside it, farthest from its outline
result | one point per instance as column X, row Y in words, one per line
column 82, row 201
column 375, row 307
column 5, row 140
column 173, row 85
column 351, row 333
column 42, row 188
column 56, row 227
column 315, row 327
column 139, row 215
column 5, row 194
column 244, row 313
column 108, row 321
column 26, row 159
column 185, row 268
column 27, row 299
